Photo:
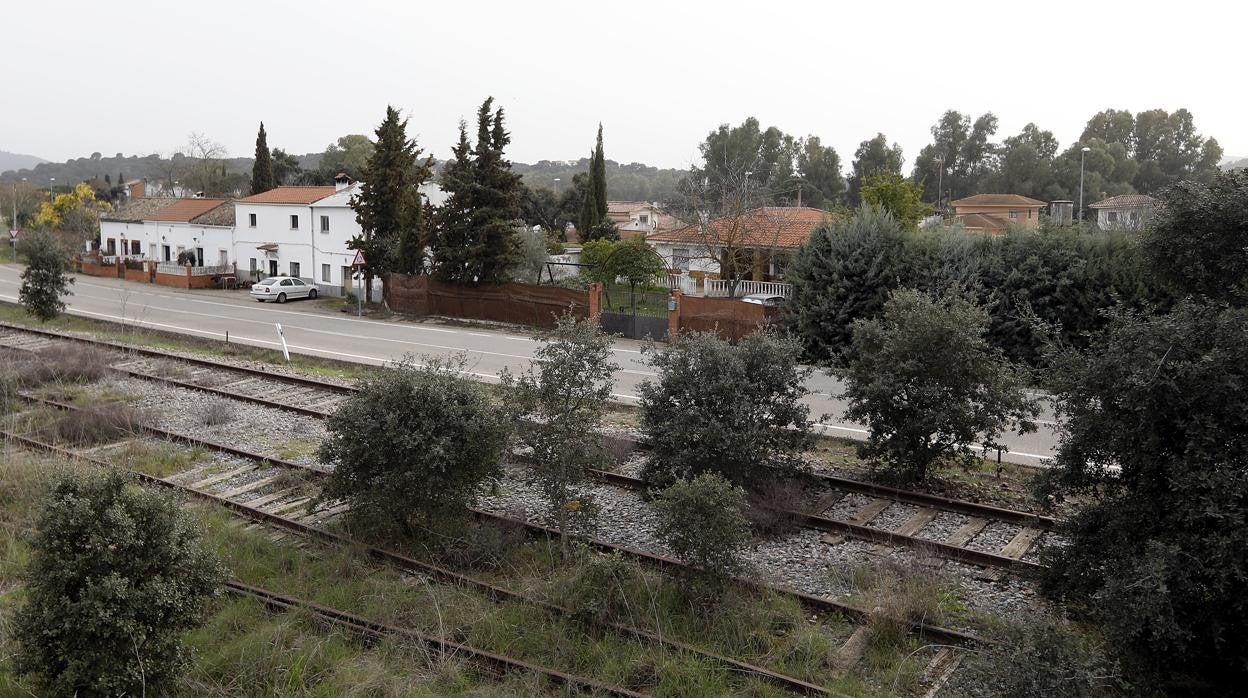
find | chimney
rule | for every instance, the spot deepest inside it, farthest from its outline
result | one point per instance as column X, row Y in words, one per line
column 341, row 181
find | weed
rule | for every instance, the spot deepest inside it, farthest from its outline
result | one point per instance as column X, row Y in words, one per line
column 216, row 412
column 96, row 424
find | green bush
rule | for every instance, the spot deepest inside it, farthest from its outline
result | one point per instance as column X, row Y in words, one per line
column 1033, row 283
column 1037, row 660
column 562, row 396
column 702, row 520
column 925, row 380
column 116, row 576
column 414, row 444
column 735, row 409
column 1155, row 420
column 46, row 279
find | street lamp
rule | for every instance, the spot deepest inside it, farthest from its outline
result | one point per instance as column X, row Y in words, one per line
column 51, row 182
column 557, row 181
column 940, row 176
column 1082, row 157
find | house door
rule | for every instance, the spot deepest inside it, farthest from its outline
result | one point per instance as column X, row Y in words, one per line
column 223, row 257
column 166, row 252
column 272, row 267
column 346, row 280
column 199, row 256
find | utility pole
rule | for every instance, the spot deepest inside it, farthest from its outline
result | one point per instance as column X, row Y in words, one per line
column 940, row 176
column 1082, row 156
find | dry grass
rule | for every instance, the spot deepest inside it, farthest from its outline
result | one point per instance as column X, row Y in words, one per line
column 216, row 413
column 96, row 424
column 768, row 508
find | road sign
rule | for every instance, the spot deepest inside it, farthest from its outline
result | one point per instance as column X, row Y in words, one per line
column 359, row 259
column 12, row 234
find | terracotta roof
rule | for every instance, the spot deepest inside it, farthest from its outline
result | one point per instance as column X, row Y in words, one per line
column 997, row 200
column 289, row 195
column 1125, row 201
column 983, row 221
column 222, row 215
column 626, row 206
column 185, row 210
column 137, row 210
column 768, row 227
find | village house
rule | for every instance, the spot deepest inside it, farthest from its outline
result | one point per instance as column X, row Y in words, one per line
column 1125, row 212
column 994, row 213
column 638, row 218
column 160, row 229
column 759, row 241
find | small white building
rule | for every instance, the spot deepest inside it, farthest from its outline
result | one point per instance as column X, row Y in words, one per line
column 303, row 232
column 1125, row 212
column 160, row 229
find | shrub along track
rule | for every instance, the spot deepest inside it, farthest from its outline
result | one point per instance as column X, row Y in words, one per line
column 317, row 398
column 367, row 628
column 282, row 509
column 287, row 509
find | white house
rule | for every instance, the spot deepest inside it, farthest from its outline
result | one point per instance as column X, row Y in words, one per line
column 303, row 232
column 1125, row 212
column 160, row 229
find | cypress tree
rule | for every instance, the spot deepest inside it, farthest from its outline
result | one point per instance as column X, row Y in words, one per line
column 592, row 223
column 452, row 238
column 262, row 170
column 388, row 193
column 497, row 199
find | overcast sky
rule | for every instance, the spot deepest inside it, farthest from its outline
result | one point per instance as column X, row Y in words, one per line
column 137, row 77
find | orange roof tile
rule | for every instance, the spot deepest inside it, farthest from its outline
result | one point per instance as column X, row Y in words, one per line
column 768, row 227
column 183, row 210
column 289, row 195
column 1125, row 201
column 997, row 200
column 983, row 221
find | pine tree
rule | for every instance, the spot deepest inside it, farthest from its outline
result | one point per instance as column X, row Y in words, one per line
column 262, row 170
column 390, row 189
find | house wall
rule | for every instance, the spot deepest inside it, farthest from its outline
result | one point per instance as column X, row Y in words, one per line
column 118, row 231
column 1128, row 218
column 701, row 260
column 213, row 239
column 273, row 227
column 1028, row 216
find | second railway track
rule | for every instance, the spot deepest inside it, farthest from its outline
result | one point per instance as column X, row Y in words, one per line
column 318, row 398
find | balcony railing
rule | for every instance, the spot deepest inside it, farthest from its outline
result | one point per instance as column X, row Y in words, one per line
column 718, row 288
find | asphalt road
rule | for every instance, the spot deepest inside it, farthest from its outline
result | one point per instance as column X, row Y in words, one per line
column 311, row 329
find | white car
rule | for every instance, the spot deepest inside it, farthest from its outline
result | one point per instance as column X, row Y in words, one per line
column 767, row 300
column 281, row 289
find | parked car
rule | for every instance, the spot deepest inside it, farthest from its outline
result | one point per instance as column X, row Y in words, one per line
column 281, row 289
column 767, row 300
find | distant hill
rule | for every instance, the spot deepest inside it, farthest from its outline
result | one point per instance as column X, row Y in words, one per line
column 17, row 161
column 632, row 182
column 1233, row 162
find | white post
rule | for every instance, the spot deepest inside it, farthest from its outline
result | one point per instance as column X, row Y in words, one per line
column 282, row 336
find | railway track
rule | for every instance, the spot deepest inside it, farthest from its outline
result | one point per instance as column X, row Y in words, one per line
column 815, row 603
column 318, row 398
column 259, row 492
column 272, row 516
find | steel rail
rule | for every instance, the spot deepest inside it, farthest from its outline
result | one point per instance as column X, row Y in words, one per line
column 400, row 561
column 846, row 484
column 444, row 647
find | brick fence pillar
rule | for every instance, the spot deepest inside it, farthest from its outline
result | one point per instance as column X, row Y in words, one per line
column 188, row 276
column 595, row 301
column 673, row 316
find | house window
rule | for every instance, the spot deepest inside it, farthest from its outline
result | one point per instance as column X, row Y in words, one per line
column 324, row 224
column 251, row 219
column 294, row 269
column 325, row 273
column 1013, row 215
column 1112, row 216
column 644, row 219
column 254, row 265
column 223, row 257
column 112, row 247
column 680, row 258
column 294, row 222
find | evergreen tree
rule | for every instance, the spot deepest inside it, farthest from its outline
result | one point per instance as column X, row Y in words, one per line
column 453, row 234
column 592, row 222
column 262, row 170
column 388, row 194
column 497, row 201
column 46, row 279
